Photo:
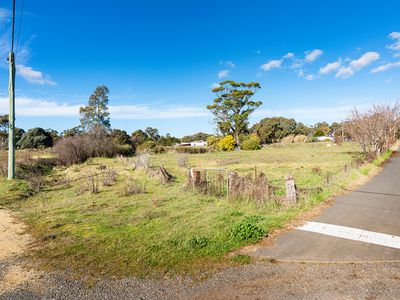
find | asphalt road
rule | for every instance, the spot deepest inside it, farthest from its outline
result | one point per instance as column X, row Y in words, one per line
column 373, row 208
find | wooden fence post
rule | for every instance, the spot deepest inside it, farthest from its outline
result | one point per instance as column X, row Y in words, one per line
column 291, row 193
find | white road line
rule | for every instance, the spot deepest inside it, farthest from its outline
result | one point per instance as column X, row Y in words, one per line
column 353, row 234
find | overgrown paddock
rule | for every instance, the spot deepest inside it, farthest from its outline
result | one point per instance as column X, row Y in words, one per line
column 165, row 227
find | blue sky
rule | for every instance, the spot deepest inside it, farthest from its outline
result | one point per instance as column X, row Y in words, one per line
column 315, row 60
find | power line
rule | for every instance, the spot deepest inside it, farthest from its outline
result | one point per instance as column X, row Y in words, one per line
column 20, row 24
column 13, row 27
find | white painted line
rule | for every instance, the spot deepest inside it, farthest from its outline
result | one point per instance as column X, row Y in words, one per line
column 354, row 234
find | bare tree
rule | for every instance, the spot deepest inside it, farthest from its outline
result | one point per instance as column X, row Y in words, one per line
column 374, row 128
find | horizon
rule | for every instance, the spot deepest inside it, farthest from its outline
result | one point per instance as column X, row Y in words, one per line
column 160, row 61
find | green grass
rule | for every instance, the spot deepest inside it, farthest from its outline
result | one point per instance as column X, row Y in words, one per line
column 168, row 229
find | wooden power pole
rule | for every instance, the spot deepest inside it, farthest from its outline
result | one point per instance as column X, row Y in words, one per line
column 11, row 93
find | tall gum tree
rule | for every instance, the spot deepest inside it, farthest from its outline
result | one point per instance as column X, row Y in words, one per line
column 233, row 106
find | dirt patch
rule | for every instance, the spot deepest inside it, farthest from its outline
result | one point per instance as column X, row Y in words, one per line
column 13, row 243
column 13, row 239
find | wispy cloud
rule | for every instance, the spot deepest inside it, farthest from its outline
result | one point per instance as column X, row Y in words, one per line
column 313, row 55
column 272, row 64
column 386, row 67
column 355, row 65
column 310, row 77
column 288, row 55
column 365, row 60
column 33, row 76
column 30, row 107
column 395, row 36
column 223, row 73
column 228, row 64
column 345, row 72
column 330, row 67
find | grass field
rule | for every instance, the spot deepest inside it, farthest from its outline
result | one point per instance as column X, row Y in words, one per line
column 168, row 229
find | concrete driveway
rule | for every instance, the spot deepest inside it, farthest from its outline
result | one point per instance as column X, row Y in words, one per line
column 363, row 225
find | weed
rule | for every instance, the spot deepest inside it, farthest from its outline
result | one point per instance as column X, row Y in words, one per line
column 247, row 230
column 182, row 159
column 109, row 176
column 132, row 187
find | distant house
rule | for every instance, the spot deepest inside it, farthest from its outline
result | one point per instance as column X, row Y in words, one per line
column 193, row 144
column 198, row 143
column 325, row 139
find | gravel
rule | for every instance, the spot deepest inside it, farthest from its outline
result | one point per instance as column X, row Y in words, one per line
column 258, row 280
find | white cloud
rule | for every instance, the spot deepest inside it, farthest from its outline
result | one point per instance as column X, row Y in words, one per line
column 330, row 67
column 223, row 73
column 344, row 73
column 288, row 55
column 365, row 60
column 215, row 85
column 257, row 51
column 301, row 73
column 310, row 115
column 33, row 76
column 386, row 67
column 29, row 107
column 313, row 55
column 310, row 77
column 272, row 64
column 396, row 37
column 357, row 64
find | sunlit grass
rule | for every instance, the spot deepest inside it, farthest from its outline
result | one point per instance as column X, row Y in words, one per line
column 168, row 229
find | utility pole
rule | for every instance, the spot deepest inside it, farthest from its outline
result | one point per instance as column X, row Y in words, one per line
column 11, row 93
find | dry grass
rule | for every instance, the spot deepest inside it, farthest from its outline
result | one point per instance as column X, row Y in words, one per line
column 156, row 228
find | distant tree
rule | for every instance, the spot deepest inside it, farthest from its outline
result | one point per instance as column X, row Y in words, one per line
column 54, row 135
column 273, row 130
column 95, row 115
column 152, row 133
column 35, row 138
column 138, row 137
column 120, row 137
column 3, row 131
column 74, row 131
column 200, row 136
column 302, row 129
column 19, row 132
column 168, row 140
column 321, row 129
column 233, row 106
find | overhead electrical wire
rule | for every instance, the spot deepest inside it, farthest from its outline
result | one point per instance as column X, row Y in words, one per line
column 20, row 24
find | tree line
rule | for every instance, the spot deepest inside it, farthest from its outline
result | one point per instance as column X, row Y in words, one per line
column 231, row 108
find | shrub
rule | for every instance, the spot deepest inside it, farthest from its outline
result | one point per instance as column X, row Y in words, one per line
column 35, row 138
column 227, row 143
column 77, row 149
column 252, row 142
column 212, row 142
column 110, row 176
column 247, row 230
column 72, row 150
column 146, row 146
column 132, row 187
column 125, row 150
column 191, row 150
